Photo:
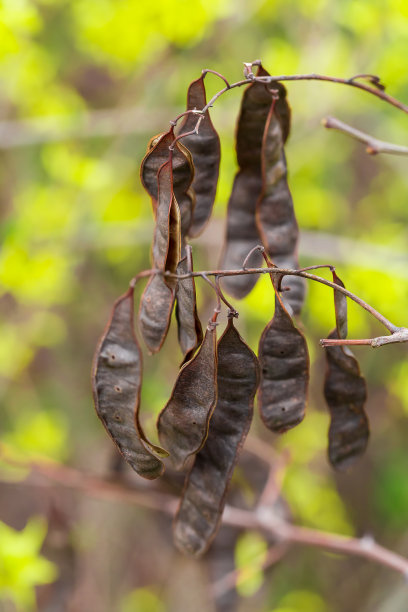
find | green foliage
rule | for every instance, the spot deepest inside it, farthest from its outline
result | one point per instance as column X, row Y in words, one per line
column 21, row 565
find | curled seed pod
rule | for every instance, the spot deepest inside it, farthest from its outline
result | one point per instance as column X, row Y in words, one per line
column 116, row 382
column 242, row 233
column 183, row 422
column 345, row 393
column 205, row 149
column 275, row 214
column 190, row 333
column 284, row 361
column 157, row 154
column 156, row 306
column 157, row 301
column 206, row 486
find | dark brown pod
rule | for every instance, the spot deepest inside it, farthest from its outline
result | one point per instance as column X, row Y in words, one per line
column 157, row 154
column 242, row 233
column 190, row 333
column 345, row 393
column 275, row 214
column 205, row 150
column 284, row 361
column 183, row 422
column 156, row 306
column 116, row 383
column 156, row 303
column 206, row 486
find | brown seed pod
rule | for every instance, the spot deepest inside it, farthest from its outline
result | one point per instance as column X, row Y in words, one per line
column 157, row 301
column 183, row 422
column 275, row 214
column 284, row 361
column 206, row 486
column 345, row 392
column 157, row 154
column 190, row 333
column 205, row 150
column 242, row 233
column 116, row 382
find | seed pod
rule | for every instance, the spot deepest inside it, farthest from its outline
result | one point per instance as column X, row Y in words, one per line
column 275, row 215
column 157, row 154
column 242, row 232
column 206, row 486
column 190, row 333
column 157, row 301
column 183, row 422
column 345, row 393
column 284, row 361
column 116, row 381
column 205, row 149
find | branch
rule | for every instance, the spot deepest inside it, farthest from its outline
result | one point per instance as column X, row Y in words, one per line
column 374, row 145
column 263, row 519
column 400, row 335
column 285, row 272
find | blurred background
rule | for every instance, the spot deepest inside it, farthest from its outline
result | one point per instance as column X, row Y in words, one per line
column 84, row 85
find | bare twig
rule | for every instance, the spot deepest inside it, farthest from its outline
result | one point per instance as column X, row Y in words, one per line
column 289, row 272
column 374, row 145
column 263, row 519
column 401, row 335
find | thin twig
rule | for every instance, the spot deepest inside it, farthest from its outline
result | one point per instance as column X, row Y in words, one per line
column 289, row 272
column 399, row 336
column 374, row 145
column 264, row 519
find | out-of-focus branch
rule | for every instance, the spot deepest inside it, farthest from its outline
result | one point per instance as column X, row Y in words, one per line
column 374, row 145
column 263, row 518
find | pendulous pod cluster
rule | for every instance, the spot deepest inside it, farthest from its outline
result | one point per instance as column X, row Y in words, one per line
column 203, row 426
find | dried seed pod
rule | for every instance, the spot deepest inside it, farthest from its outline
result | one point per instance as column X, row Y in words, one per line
column 156, row 306
column 205, row 149
column 183, row 422
column 275, row 214
column 206, row 486
column 116, row 381
column 190, row 333
column 157, row 301
column 284, row 361
column 242, row 232
column 345, row 393
column 157, row 154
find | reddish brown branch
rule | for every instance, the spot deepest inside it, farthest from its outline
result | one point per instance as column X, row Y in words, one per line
column 263, row 519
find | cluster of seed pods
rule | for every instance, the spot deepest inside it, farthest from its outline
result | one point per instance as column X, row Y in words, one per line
column 203, row 426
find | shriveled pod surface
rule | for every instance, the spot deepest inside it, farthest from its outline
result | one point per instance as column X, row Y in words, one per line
column 206, row 486
column 345, row 392
column 182, row 171
column 157, row 301
column 275, row 214
column 190, row 333
column 205, row 150
column 184, row 421
column 242, row 233
column 284, row 361
column 116, row 382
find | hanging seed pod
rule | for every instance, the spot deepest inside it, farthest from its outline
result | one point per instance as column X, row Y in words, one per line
column 157, row 154
column 242, row 233
column 206, row 486
column 183, row 423
column 284, row 361
column 275, row 214
column 157, row 301
column 116, row 381
column 190, row 333
column 345, row 393
column 205, row 150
